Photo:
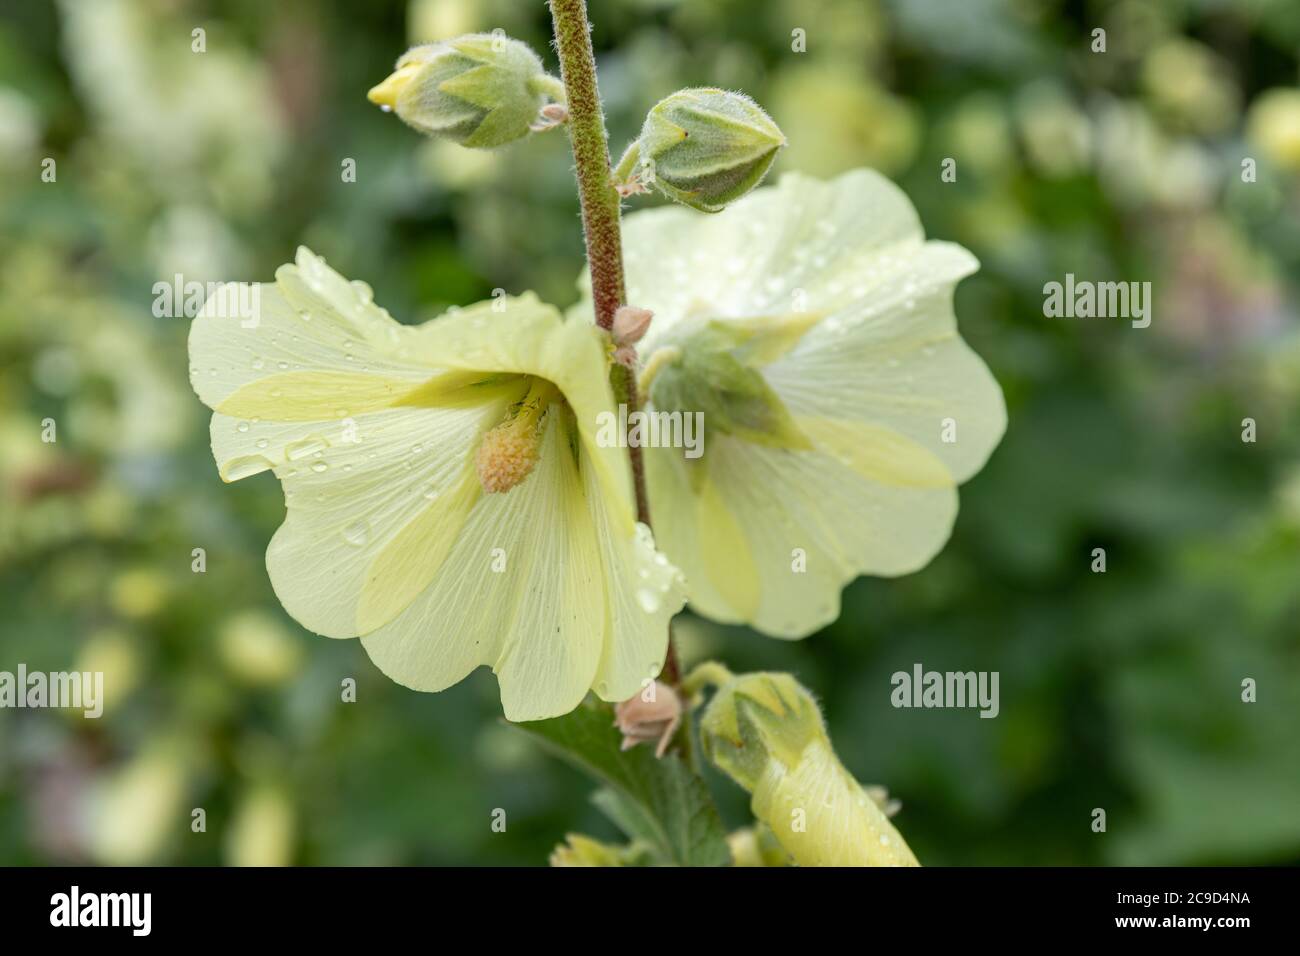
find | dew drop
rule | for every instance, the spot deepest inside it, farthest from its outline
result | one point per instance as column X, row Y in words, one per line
column 301, row 449
column 239, row 468
column 319, row 466
column 242, row 426
column 648, row 600
column 357, row 533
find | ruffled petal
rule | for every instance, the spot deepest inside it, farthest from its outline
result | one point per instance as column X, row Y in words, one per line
column 310, row 347
column 521, row 591
column 898, row 409
column 370, row 522
column 777, row 534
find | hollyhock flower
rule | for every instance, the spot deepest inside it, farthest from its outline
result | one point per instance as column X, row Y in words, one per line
column 447, row 501
column 812, row 324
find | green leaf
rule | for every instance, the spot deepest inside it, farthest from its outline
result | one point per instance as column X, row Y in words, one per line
column 634, row 820
column 659, row 801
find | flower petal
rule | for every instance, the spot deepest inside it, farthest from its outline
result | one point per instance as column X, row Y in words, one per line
column 370, row 522
column 848, row 828
column 314, row 345
column 523, row 336
column 539, row 622
column 811, row 522
column 898, row 408
column 643, row 592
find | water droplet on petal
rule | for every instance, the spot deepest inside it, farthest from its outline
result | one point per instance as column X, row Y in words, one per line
column 242, row 426
column 238, row 468
column 357, row 533
column 648, row 600
column 307, row 446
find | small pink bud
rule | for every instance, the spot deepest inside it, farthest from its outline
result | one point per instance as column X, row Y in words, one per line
column 651, row 715
column 630, row 324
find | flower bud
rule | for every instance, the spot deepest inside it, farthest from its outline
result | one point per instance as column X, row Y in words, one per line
column 653, row 715
column 631, row 324
column 707, row 147
column 764, row 730
column 480, row 90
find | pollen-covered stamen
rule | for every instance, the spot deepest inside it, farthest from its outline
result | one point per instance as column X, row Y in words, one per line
column 508, row 452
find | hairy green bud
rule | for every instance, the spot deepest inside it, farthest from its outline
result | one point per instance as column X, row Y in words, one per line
column 481, row 90
column 765, row 731
column 704, row 148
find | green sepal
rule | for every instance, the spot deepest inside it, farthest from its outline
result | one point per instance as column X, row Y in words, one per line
column 715, row 374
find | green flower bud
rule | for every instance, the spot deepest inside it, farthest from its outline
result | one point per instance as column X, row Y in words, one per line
column 704, row 148
column 765, row 731
column 480, row 90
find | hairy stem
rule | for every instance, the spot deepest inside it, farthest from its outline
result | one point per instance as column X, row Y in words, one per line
column 600, row 217
column 591, row 157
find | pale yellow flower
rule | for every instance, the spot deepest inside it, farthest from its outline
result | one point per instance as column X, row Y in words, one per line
column 447, row 500
column 812, row 324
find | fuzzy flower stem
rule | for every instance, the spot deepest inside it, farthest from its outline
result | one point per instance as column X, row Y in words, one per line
column 600, row 217
column 590, row 143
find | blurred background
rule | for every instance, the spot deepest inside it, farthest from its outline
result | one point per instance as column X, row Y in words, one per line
column 1119, row 690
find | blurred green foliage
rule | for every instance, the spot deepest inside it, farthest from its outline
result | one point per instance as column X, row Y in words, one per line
column 1118, row 690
